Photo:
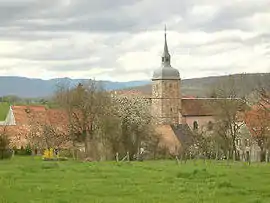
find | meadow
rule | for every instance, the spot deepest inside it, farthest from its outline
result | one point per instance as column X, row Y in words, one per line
column 29, row 179
column 4, row 108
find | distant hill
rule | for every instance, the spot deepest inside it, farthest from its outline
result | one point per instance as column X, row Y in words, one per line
column 33, row 88
column 202, row 87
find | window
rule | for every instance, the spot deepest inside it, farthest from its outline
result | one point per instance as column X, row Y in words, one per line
column 171, row 109
column 163, row 59
column 195, row 125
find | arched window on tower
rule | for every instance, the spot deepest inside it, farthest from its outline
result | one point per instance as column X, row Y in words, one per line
column 195, row 125
column 163, row 59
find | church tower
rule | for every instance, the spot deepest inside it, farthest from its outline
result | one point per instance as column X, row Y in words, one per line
column 166, row 95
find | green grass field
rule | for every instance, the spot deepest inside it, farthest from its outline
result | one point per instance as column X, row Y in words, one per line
column 4, row 108
column 33, row 180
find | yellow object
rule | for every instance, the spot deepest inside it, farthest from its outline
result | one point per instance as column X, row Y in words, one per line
column 48, row 154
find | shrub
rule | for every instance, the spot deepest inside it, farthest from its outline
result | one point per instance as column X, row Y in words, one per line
column 28, row 150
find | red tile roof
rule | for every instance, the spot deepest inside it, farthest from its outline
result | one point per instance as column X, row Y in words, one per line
column 24, row 115
column 27, row 116
column 196, row 107
column 203, row 106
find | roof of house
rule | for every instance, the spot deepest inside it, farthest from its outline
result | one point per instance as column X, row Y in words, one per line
column 196, row 107
column 183, row 133
column 24, row 115
column 27, row 116
column 203, row 106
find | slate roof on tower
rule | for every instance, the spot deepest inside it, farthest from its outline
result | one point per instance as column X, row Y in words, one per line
column 166, row 71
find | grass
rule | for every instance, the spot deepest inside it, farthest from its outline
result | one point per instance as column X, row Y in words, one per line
column 25, row 179
column 4, row 108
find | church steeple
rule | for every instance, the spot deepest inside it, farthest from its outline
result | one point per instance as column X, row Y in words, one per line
column 166, row 58
column 166, row 71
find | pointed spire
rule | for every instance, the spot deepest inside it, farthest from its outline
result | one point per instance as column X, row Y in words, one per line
column 166, row 50
column 166, row 58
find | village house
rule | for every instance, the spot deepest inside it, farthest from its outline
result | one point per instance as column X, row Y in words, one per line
column 21, row 120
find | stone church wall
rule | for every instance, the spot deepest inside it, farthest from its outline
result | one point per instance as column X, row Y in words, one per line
column 166, row 100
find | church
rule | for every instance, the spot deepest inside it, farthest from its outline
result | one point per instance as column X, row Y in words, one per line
column 176, row 116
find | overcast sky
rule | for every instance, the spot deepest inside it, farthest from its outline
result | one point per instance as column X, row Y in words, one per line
column 122, row 40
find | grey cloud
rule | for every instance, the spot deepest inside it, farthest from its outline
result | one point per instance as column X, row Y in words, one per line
column 32, row 20
column 13, row 10
column 121, row 71
column 15, row 33
column 85, row 15
column 82, row 8
column 223, row 45
column 83, row 66
column 119, row 15
column 231, row 16
column 102, row 15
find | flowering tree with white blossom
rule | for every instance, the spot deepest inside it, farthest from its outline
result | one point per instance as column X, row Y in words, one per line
column 136, row 123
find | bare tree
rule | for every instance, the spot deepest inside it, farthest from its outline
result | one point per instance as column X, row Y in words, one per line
column 229, row 119
column 85, row 106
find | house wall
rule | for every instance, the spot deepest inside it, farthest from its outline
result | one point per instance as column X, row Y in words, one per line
column 252, row 148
